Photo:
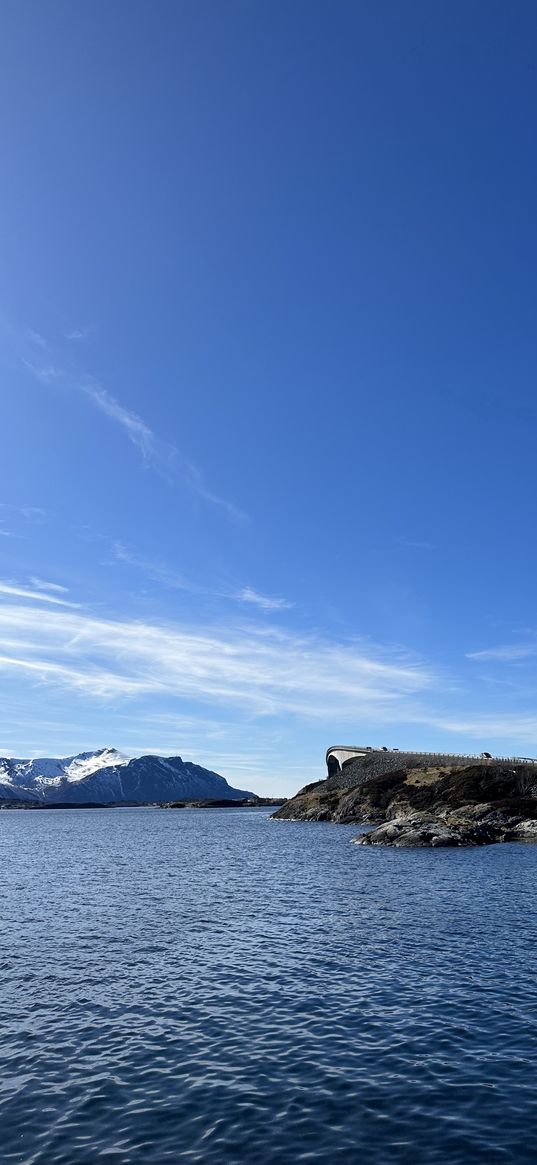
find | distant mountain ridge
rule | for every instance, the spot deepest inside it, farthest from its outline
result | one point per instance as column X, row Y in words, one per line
column 108, row 776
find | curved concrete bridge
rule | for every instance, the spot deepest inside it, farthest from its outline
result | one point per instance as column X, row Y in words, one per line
column 338, row 755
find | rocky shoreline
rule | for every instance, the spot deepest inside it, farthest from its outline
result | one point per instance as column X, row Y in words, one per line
column 417, row 805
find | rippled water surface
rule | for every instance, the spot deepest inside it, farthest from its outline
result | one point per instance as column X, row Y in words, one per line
column 210, row 986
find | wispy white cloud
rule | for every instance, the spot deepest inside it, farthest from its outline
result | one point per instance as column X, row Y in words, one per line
column 163, row 456
column 152, row 450
column 194, row 478
column 247, row 595
column 36, row 338
column 78, row 334
column 46, row 373
column 490, row 727
column 30, row 512
column 163, row 574
column 266, row 671
column 415, row 544
column 97, row 683
column 15, row 513
column 157, row 571
column 135, row 428
column 48, row 586
column 509, row 653
column 23, row 593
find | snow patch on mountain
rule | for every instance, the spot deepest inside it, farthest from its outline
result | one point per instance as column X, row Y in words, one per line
column 53, row 770
column 108, row 776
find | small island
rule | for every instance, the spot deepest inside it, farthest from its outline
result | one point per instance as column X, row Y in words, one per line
column 414, row 799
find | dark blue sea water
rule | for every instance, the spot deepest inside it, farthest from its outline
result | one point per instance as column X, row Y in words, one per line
column 210, row 986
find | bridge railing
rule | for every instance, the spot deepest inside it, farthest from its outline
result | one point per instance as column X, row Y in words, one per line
column 443, row 757
column 521, row 760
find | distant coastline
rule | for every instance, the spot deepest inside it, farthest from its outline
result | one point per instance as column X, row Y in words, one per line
column 251, row 803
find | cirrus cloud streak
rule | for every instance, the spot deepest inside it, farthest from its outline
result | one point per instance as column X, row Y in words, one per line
column 264, row 670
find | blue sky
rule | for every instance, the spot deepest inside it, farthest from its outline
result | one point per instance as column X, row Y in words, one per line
column 268, row 358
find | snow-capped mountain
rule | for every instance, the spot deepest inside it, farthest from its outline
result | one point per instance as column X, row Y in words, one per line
column 107, row 775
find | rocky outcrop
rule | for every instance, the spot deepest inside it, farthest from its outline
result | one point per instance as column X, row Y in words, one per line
column 420, row 806
column 470, row 826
